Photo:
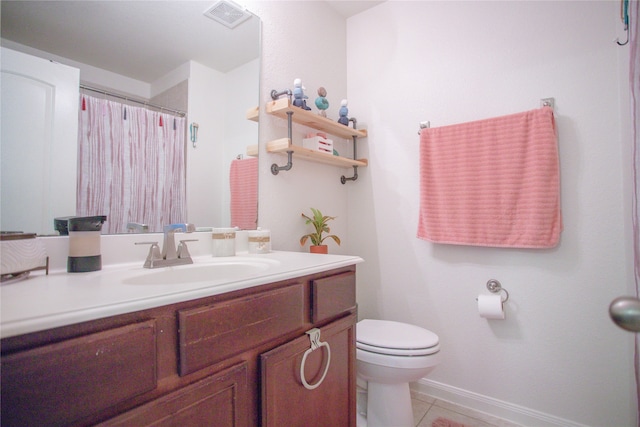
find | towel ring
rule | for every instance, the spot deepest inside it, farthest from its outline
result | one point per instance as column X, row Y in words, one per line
column 314, row 337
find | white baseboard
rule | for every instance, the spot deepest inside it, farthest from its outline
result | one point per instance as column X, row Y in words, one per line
column 498, row 408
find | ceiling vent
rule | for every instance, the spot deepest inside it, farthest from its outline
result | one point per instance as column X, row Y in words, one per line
column 227, row 13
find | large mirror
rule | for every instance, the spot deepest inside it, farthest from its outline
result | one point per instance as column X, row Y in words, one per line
column 153, row 51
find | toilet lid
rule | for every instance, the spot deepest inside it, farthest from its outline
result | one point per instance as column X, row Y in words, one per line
column 389, row 337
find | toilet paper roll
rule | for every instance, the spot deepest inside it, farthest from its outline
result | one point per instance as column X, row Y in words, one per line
column 490, row 306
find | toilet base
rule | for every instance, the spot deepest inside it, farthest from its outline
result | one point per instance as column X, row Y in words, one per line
column 389, row 405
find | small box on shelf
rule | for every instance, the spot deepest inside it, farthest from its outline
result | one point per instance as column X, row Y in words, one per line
column 318, row 142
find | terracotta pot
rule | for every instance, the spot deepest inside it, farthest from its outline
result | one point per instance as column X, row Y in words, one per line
column 321, row 249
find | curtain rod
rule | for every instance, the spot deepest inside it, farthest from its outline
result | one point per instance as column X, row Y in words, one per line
column 146, row 104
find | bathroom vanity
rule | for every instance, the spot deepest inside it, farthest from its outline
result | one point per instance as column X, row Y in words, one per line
column 225, row 353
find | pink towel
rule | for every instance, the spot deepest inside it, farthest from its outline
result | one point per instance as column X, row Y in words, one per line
column 243, row 178
column 493, row 182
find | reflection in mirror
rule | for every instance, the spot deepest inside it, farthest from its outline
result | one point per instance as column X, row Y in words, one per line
column 166, row 53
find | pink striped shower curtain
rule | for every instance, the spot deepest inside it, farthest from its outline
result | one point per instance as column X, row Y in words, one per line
column 131, row 165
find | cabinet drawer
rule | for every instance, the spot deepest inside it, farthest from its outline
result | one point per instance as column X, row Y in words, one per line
column 60, row 383
column 333, row 295
column 213, row 333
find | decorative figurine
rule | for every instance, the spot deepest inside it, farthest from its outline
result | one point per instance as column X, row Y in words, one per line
column 299, row 98
column 321, row 101
column 343, row 113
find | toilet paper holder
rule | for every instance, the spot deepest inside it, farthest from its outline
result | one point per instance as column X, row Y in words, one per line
column 494, row 287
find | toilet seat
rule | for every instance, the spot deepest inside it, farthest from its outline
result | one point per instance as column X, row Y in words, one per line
column 395, row 338
column 397, row 352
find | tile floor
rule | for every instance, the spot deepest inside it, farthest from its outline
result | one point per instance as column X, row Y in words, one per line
column 426, row 409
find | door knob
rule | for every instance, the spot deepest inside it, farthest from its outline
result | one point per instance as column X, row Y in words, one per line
column 625, row 312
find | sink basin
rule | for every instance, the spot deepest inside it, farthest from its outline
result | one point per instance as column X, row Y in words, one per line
column 206, row 272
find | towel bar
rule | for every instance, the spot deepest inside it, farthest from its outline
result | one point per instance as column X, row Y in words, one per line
column 544, row 102
column 548, row 102
column 424, row 125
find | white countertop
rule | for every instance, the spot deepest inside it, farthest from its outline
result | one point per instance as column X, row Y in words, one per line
column 43, row 302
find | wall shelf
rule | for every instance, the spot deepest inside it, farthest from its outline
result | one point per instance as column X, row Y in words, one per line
column 284, row 144
column 282, row 108
column 253, row 114
column 252, row 150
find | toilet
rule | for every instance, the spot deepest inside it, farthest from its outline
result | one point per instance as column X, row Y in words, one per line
column 389, row 356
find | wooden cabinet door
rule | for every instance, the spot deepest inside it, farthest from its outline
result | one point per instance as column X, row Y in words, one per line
column 285, row 400
column 220, row 400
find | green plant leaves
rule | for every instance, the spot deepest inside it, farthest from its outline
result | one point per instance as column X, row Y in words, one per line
column 321, row 227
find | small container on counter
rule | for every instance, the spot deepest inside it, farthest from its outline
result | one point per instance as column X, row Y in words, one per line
column 84, row 243
column 224, row 241
column 259, row 241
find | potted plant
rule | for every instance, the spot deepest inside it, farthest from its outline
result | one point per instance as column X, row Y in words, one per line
column 319, row 223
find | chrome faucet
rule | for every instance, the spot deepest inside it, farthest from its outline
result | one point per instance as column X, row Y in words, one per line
column 169, row 245
column 169, row 256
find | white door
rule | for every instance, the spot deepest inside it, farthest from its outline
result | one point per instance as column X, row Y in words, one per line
column 38, row 146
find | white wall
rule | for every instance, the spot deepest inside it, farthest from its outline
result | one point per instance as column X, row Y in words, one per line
column 205, row 161
column 224, row 132
column 557, row 359
column 303, row 40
